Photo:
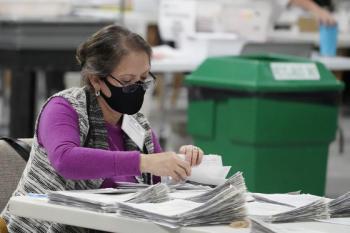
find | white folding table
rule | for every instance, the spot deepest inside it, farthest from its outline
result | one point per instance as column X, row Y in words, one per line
column 32, row 207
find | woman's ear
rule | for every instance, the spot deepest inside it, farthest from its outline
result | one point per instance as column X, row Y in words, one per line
column 95, row 82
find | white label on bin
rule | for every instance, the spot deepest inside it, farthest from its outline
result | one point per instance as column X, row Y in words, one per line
column 294, row 71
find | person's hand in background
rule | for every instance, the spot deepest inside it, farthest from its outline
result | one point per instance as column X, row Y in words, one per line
column 321, row 15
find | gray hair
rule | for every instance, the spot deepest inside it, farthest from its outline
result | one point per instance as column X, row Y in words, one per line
column 103, row 51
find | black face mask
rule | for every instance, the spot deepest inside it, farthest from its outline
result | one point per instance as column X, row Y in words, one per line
column 125, row 103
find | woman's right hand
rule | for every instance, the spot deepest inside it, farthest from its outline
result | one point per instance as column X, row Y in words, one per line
column 165, row 164
column 324, row 17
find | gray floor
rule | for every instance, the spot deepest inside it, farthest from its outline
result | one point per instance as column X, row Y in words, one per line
column 338, row 172
column 170, row 125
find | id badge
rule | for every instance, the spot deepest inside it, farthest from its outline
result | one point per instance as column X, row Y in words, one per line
column 134, row 130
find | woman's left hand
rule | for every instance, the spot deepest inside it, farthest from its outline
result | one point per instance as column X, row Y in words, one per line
column 194, row 155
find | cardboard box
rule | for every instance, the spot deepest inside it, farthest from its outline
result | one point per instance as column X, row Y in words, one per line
column 307, row 24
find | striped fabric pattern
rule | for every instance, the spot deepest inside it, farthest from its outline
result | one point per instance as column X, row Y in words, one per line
column 146, row 178
column 40, row 177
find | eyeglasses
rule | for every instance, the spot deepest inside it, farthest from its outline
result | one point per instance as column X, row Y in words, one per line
column 128, row 88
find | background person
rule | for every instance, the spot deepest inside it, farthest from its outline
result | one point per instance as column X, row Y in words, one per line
column 321, row 15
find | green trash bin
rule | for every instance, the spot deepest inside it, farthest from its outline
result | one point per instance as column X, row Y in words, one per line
column 271, row 117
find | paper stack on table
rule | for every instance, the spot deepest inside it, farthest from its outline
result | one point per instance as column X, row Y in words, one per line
column 201, row 196
column 185, row 194
column 209, row 172
column 224, row 204
column 340, row 221
column 258, row 226
column 135, row 187
column 264, row 200
column 189, row 186
column 157, row 193
column 107, row 200
column 287, row 199
column 236, row 181
column 340, row 207
column 260, row 198
column 294, row 207
column 226, row 207
column 132, row 186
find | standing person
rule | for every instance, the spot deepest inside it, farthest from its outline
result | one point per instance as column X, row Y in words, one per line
column 322, row 16
column 78, row 141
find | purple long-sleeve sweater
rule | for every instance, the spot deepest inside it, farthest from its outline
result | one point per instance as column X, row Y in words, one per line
column 58, row 133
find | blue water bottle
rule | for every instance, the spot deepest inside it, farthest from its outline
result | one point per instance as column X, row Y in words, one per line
column 328, row 40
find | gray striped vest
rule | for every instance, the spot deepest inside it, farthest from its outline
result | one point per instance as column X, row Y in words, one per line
column 39, row 176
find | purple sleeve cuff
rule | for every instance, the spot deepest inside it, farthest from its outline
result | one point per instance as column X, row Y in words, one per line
column 127, row 163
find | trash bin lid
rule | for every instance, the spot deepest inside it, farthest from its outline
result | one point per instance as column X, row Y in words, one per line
column 264, row 72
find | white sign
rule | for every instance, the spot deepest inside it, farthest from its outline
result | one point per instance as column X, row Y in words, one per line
column 176, row 17
column 283, row 71
column 134, row 130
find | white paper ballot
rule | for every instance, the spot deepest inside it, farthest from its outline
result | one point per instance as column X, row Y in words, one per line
column 183, row 194
column 285, row 199
column 258, row 226
column 209, row 160
column 306, row 207
column 209, row 172
column 265, row 209
column 341, row 221
column 169, row 208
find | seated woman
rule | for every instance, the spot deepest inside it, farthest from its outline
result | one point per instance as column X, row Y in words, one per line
column 78, row 141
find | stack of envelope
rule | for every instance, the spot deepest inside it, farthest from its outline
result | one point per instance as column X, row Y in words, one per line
column 340, row 207
column 258, row 226
column 107, row 200
column 130, row 186
column 201, row 195
column 236, row 181
column 225, row 207
column 223, row 204
column 287, row 208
